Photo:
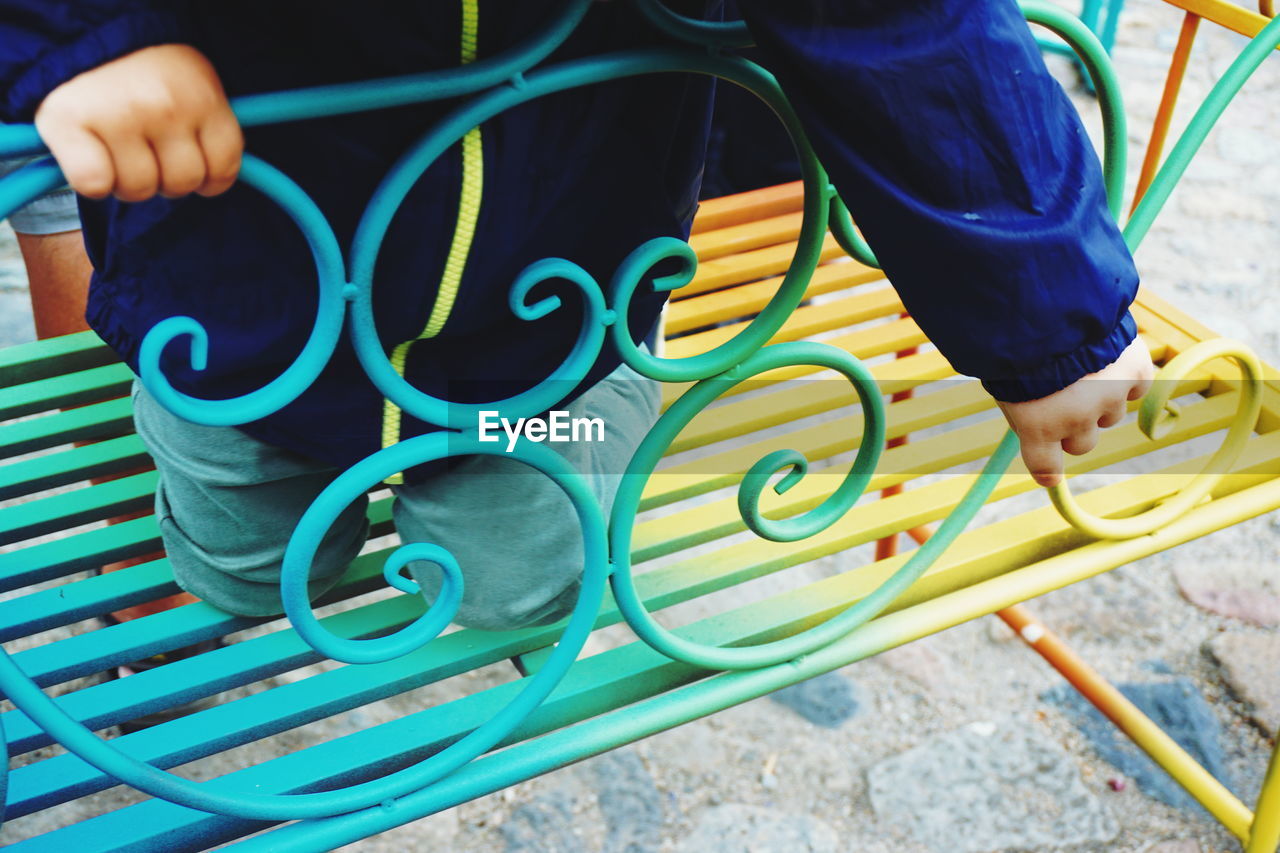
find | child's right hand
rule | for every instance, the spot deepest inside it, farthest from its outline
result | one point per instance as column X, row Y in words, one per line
column 1069, row 419
column 154, row 121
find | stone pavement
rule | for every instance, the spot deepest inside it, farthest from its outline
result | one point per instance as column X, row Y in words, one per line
column 15, row 308
column 964, row 741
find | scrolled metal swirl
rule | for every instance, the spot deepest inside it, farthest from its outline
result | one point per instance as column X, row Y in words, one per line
column 1152, row 421
column 26, row 695
column 374, row 469
column 308, row 364
column 557, row 78
column 462, row 416
column 310, row 531
column 853, row 243
column 659, row 438
column 414, row 636
column 864, row 464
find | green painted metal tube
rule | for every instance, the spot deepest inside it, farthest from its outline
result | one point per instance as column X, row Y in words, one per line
column 53, row 357
column 708, row 696
column 68, row 389
column 1093, row 55
column 775, row 662
column 90, row 423
column 1206, row 116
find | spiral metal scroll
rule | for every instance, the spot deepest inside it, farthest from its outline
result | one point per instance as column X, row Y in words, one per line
column 569, row 75
column 497, row 84
column 307, row 365
column 1154, row 406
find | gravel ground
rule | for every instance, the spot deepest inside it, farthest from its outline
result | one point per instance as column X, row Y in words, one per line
column 903, row 752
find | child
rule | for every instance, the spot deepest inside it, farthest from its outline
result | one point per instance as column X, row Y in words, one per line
column 48, row 231
column 959, row 156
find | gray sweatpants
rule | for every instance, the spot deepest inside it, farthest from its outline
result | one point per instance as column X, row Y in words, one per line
column 227, row 504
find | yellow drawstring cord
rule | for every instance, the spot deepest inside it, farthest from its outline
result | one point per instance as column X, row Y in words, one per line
column 463, row 233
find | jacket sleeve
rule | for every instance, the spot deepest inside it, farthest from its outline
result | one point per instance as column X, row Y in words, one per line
column 969, row 173
column 44, row 43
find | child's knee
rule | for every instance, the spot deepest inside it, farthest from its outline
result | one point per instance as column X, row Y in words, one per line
column 244, row 577
column 518, row 606
column 227, row 504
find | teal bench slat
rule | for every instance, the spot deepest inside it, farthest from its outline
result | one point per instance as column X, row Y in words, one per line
column 69, row 509
column 68, row 603
column 85, row 654
column 41, row 359
column 263, row 657
column 72, row 466
column 58, row 779
column 595, row 685
column 90, row 549
column 88, row 423
column 70, row 389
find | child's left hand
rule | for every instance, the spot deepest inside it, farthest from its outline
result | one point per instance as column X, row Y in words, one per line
column 1070, row 419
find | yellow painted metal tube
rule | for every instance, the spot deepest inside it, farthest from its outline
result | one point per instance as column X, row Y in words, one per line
column 1185, row 770
column 1062, row 570
column 1139, row 728
column 701, row 698
column 1168, row 100
column 1154, row 405
column 1264, row 837
column 1244, row 21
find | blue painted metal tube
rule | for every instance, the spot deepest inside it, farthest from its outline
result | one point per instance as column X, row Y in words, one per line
column 1107, row 35
column 42, row 176
column 717, row 34
column 306, row 365
column 1102, row 18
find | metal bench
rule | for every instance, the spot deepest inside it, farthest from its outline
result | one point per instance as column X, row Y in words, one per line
column 683, row 527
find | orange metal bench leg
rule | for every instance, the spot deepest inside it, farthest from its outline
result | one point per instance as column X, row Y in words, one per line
column 1261, row 834
column 1139, row 728
column 1164, row 115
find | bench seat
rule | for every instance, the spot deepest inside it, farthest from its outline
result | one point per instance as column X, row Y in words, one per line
column 689, row 543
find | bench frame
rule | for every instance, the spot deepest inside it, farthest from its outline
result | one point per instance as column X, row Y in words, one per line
column 565, row 711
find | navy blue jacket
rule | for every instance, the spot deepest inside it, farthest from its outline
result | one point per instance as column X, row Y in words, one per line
column 960, row 158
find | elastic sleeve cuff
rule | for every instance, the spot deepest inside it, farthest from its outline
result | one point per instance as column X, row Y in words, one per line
column 104, row 43
column 1034, row 383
